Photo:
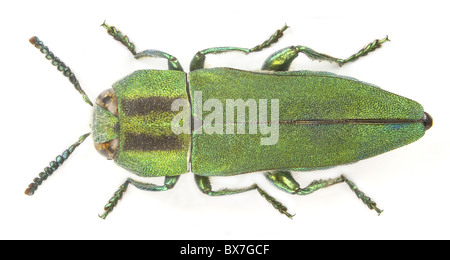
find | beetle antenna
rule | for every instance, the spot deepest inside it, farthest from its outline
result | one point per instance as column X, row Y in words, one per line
column 53, row 166
column 60, row 66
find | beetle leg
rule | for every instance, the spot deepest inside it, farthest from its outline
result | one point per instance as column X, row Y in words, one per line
column 118, row 36
column 204, row 185
column 198, row 62
column 173, row 62
column 115, row 199
column 282, row 59
column 285, row 181
column 169, row 183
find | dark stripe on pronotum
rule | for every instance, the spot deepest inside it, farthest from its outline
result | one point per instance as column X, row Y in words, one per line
column 143, row 142
column 142, row 106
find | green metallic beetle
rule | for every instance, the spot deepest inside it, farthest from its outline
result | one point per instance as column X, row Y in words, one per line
column 317, row 120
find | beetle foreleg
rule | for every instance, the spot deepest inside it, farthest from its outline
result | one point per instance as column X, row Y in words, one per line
column 169, row 183
column 114, row 199
column 285, row 181
column 282, row 59
column 118, row 36
column 172, row 62
column 204, row 185
column 198, row 62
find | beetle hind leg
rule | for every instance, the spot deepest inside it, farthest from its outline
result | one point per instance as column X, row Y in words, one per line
column 282, row 59
column 285, row 181
column 169, row 183
column 204, row 185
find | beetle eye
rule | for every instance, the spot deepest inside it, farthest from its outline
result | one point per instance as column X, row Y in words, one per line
column 108, row 149
column 108, row 100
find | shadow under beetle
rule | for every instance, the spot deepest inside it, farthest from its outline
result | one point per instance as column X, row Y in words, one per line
column 323, row 120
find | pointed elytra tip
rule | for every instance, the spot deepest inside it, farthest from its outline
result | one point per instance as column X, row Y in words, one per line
column 427, row 120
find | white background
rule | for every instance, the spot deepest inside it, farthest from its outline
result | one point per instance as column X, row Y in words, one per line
column 42, row 115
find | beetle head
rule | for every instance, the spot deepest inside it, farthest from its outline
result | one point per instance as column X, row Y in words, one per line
column 105, row 124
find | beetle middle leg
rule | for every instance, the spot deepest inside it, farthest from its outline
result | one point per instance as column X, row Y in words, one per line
column 282, row 59
column 204, row 185
column 169, row 183
column 198, row 62
column 285, row 181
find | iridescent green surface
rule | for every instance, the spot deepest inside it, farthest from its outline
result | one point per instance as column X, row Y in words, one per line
column 147, row 157
column 302, row 96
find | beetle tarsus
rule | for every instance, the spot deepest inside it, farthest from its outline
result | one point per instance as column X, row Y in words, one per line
column 114, row 199
column 118, row 36
column 276, row 204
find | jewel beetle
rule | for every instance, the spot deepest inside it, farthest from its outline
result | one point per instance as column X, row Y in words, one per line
column 225, row 121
